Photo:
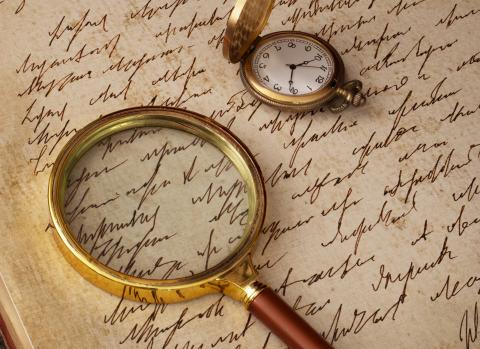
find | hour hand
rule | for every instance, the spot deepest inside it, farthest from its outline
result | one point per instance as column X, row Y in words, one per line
column 290, row 82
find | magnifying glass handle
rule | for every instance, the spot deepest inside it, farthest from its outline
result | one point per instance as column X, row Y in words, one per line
column 283, row 321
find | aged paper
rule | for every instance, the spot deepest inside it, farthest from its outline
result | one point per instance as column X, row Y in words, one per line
column 372, row 227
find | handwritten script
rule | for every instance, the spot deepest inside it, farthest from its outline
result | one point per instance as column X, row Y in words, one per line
column 373, row 217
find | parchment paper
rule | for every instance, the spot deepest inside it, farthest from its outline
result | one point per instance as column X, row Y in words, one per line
column 372, row 229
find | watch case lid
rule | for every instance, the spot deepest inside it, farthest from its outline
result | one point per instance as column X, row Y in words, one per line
column 246, row 22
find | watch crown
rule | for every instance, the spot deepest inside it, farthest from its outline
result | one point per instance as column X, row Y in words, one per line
column 348, row 94
column 358, row 99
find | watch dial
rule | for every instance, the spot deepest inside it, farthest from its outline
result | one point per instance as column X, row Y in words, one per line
column 293, row 66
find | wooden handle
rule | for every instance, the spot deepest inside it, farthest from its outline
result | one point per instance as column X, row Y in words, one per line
column 285, row 322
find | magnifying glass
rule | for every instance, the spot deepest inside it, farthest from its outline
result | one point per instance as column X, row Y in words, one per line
column 164, row 205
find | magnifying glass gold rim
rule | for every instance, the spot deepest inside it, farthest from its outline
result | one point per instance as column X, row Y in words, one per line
column 235, row 269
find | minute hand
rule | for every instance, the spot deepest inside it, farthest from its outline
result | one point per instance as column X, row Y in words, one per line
column 305, row 62
column 310, row 66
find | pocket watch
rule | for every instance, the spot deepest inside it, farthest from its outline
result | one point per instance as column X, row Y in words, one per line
column 289, row 70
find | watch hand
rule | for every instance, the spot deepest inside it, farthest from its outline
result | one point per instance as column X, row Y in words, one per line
column 304, row 62
column 310, row 66
column 292, row 68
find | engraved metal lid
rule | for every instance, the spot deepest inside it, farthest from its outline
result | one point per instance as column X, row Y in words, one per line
column 246, row 22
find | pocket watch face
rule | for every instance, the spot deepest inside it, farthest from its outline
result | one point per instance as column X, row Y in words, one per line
column 293, row 66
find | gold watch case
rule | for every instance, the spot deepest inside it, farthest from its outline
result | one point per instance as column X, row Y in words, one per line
column 304, row 102
column 242, row 40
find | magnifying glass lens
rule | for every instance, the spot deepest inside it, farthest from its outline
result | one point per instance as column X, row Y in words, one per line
column 156, row 203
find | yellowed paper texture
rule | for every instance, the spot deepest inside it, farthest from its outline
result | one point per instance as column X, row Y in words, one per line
column 372, row 227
